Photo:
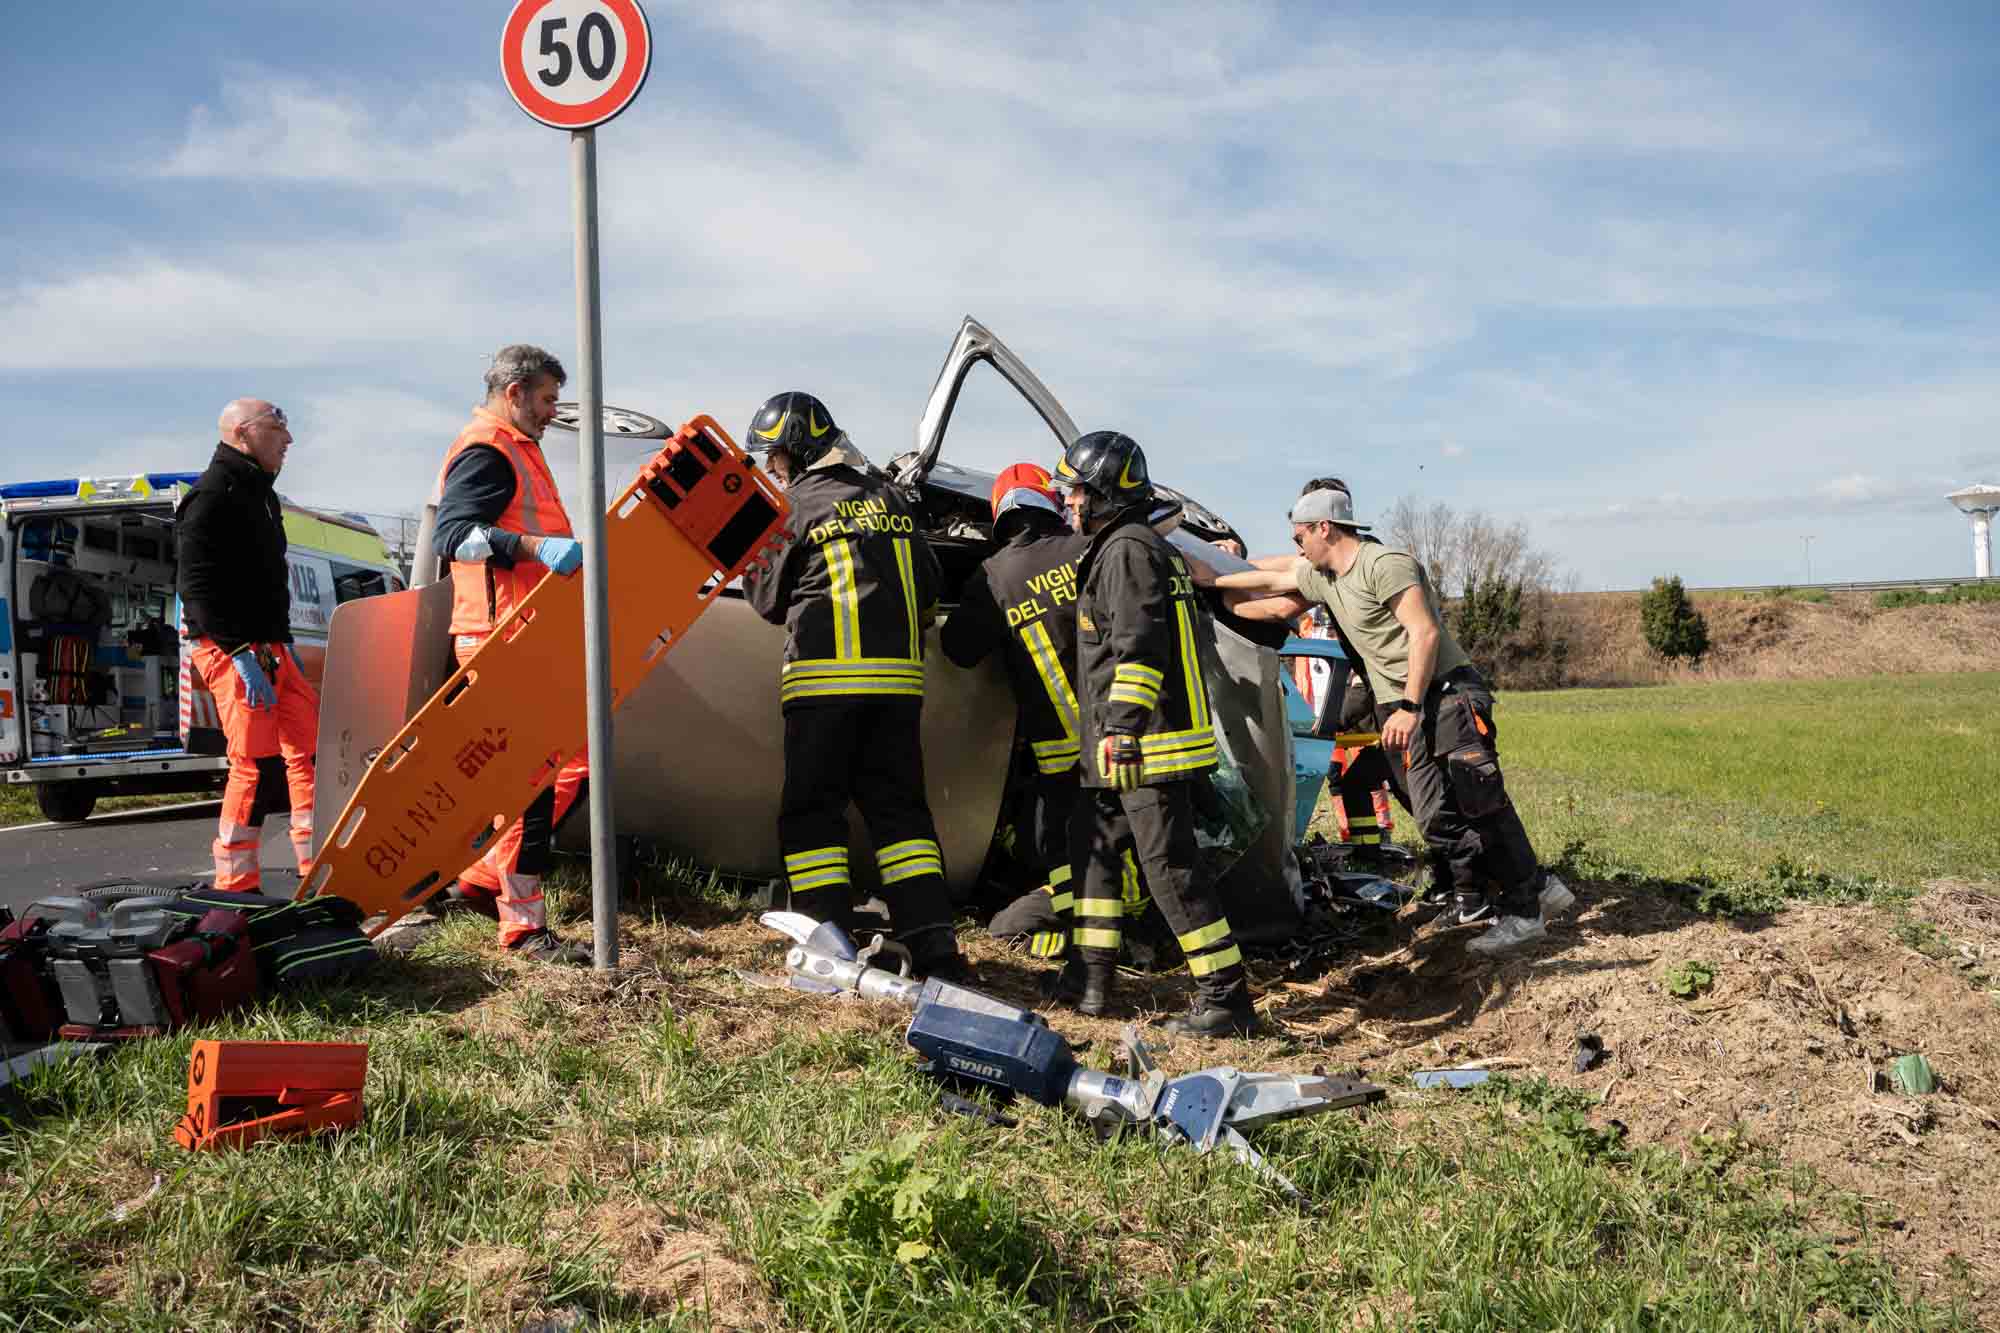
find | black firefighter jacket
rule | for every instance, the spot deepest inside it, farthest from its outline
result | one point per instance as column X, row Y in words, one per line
column 1138, row 658
column 235, row 586
column 1023, row 601
column 854, row 590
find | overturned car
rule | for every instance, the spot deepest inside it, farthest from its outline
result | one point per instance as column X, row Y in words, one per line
column 699, row 744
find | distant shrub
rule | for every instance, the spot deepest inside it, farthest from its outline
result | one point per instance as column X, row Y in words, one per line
column 1962, row 592
column 1673, row 628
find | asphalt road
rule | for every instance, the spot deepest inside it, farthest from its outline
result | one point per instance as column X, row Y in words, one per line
column 42, row 860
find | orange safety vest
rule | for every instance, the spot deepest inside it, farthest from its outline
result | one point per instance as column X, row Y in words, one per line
column 482, row 593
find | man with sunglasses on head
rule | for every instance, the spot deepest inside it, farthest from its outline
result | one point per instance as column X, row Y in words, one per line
column 236, row 599
column 1433, row 707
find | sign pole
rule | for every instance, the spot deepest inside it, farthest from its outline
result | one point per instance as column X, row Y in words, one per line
column 596, row 579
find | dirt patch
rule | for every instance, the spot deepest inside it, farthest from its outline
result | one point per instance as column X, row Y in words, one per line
column 668, row 1266
column 1774, row 639
column 1790, row 1045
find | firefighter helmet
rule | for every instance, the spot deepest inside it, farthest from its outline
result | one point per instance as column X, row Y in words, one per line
column 1023, row 486
column 1109, row 465
column 796, row 423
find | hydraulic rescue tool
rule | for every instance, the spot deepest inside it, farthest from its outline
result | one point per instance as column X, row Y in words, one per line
column 972, row 1040
column 498, row 730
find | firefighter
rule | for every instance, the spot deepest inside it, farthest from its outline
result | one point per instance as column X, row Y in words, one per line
column 1022, row 601
column 1147, row 738
column 1433, row 708
column 855, row 588
column 503, row 526
column 236, row 597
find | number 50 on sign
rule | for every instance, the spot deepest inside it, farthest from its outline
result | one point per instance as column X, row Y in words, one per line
column 572, row 64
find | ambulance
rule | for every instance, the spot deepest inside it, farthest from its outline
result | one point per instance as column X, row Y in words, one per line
column 97, row 692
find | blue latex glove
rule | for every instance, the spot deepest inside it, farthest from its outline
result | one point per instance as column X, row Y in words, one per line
column 256, row 685
column 563, row 555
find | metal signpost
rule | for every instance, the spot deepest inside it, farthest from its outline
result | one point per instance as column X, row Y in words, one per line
column 572, row 65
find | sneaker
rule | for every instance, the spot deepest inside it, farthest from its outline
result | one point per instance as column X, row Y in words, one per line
column 1214, row 1020
column 1508, row 934
column 1472, row 906
column 545, row 946
column 1555, row 897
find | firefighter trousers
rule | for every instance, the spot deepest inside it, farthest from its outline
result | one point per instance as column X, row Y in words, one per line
column 1460, row 800
column 867, row 749
column 271, row 756
column 511, row 870
column 1159, row 822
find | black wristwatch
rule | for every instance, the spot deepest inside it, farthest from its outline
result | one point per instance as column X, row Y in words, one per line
column 1404, row 706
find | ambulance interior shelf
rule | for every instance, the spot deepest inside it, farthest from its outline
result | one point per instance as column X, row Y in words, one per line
column 93, row 595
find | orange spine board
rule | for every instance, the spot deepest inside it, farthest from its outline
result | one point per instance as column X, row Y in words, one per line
column 495, row 734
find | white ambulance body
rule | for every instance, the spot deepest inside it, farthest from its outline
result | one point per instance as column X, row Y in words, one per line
column 97, row 697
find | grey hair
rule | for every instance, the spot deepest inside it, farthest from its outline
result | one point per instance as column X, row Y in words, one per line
column 521, row 363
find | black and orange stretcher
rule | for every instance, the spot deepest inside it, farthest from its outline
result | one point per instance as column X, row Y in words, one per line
column 498, row 730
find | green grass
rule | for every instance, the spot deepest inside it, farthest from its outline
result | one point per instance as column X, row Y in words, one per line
column 808, row 1151
column 1963, row 592
column 17, row 803
column 1839, row 786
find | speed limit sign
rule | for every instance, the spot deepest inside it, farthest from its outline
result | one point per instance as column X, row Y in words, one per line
column 572, row 64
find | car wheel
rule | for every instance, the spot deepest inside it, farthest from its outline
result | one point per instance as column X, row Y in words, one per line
column 66, row 802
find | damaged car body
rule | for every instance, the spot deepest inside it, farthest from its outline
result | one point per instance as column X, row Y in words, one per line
column 699, row 748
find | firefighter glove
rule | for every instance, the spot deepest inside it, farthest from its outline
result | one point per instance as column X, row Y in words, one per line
column 257, row 691
column 562, row 555
column 1118, row 761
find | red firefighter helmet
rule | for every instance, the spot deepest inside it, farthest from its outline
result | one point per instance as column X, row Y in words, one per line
column 1024, row 484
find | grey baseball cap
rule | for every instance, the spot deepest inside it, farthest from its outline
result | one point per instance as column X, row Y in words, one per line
column 1327, row 506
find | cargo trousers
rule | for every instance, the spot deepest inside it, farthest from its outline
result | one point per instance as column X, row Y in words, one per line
column 868, row 750
column 1459, row 797
column 272, row 750
column 1158, row 823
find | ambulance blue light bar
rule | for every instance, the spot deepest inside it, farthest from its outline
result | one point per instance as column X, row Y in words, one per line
column 83, row 487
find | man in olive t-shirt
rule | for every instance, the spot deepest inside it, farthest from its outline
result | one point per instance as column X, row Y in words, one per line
column 1433, row 708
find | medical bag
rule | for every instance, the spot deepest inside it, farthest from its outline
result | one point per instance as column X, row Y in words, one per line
column 30, row 1009
column 143, row 969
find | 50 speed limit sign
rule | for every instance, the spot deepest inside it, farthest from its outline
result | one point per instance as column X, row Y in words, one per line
column 572, row 64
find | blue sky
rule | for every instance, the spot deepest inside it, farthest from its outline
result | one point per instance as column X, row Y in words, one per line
column 1675, row 292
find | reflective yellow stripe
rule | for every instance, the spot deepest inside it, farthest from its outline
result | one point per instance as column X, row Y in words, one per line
column 1129, row 884
column 904, row 567
column 1212, row 933
column 1061, row 902
column 1137, row 906
column 908, row 859
column 818, row 856
column 1132, row 694
column 1100, row 907
column 1053, row 757
column 1055, row 683
column 1139, row 674
column 846, row 602
column 1060, row 875
column 812, row 677
column 1048, row 943
column 1089, row 938
column 801, row 880
column 1191, row 667
column 1214, row 962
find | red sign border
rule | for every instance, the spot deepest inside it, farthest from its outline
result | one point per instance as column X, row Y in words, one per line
column 557, row 115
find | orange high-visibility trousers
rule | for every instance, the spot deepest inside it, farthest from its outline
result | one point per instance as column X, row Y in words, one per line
column 511, row 870
column 268, row 747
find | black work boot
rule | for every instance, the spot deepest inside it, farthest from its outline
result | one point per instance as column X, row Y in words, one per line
column 1229, row 1016
column 1082, row 986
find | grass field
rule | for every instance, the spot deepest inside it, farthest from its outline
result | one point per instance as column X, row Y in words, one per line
column 17, row 804
column 676, row 1149
column 1887, row 778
